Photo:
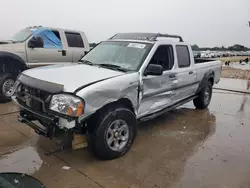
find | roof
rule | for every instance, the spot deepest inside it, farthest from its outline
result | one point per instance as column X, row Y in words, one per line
column 54, row 28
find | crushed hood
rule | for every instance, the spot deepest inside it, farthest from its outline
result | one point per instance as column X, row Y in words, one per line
column 71, row 76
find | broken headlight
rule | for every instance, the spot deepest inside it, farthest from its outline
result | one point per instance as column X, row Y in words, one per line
column 67, row 104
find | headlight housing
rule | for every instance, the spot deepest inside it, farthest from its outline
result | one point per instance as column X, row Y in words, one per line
column 67, row 104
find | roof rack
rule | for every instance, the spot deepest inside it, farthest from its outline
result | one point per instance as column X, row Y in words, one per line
column 168, row 36
column 144, row 36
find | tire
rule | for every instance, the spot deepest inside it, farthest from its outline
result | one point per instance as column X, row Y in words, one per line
column 7, row 81
column 204, row 97
column 104, row 122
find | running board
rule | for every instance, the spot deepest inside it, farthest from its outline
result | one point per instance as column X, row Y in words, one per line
column 155, row 114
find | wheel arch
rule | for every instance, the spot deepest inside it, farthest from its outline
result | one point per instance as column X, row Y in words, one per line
column 11, row 63
column 122, row 102
column 208, row 76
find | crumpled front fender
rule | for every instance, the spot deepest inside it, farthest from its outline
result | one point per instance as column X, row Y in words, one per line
column 108, row 91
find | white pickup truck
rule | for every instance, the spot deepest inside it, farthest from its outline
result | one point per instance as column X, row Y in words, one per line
column 37, row 46
column 130, row 77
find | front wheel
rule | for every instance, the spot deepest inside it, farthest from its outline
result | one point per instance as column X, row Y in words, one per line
column 204, row 97
column 114, row 133
column 7, row 86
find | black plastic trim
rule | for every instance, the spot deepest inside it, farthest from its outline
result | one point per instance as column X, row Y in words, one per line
column 40, row 84
column 38, row 129
column 209, row 74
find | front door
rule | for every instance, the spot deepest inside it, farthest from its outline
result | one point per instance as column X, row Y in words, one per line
column 158, row 92
column 51, row 52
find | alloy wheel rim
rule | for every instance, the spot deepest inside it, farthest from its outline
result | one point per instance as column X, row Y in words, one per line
column 117, row 135
column 207, row 95
column 8, row 87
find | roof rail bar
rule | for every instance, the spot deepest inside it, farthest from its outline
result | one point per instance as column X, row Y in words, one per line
column 144, row 36
column 112, row 37
column 168, row 36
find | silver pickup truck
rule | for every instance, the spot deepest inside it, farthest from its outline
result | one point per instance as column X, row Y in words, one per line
column 129, row 78
column 34, row 47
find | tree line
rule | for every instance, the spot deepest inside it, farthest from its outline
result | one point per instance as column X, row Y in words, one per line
column 236, row 47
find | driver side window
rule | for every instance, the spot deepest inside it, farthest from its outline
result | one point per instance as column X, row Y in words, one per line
column 46, row 38
column 36, row 42
column 163, row 56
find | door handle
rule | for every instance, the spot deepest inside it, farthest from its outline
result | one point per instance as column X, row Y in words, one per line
column 63, row 52
column 172, row 76
column 191, row 72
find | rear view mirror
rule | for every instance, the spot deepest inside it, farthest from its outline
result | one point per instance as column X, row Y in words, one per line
column 35, row 42
column 153, row 69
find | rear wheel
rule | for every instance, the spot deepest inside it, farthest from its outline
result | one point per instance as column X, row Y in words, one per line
column 113, row 134
column 7, row 81
column 204, row 97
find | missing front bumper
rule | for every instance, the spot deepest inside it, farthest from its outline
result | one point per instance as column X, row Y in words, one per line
column 42, row 125
column 38, row 129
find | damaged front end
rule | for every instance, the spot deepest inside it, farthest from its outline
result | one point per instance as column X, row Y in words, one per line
column 38, row 107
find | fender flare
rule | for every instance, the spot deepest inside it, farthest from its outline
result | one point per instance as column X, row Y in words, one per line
column 15, row 57
column 208, row 75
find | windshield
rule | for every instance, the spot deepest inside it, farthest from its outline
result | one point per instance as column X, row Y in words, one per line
column 126, row 55
column 22, row 35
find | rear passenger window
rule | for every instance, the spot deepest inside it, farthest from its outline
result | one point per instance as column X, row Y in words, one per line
column 183, row 56
column 74, row 40
column 163, row 56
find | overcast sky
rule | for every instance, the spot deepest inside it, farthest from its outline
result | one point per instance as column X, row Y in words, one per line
column 204, row 22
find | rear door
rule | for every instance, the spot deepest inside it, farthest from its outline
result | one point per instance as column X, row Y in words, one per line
column 75, row 42
column 52, row 52
column 186, row 73
column 158, row 91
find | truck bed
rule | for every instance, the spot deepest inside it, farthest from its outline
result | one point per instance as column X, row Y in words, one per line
column 203, row 65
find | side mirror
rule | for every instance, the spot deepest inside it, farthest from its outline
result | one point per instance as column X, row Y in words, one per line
column 35, row 42
column 153, row 69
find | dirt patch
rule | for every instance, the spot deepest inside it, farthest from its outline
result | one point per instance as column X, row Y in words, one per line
column 233, row 59
column 228, row 72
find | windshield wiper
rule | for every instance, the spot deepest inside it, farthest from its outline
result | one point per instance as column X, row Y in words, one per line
column 113, row 67
column 86, row 62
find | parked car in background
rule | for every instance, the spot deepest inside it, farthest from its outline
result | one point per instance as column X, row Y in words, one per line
column 204, row 55
column 37, row 46
column 197, row 54
column 130, row 77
